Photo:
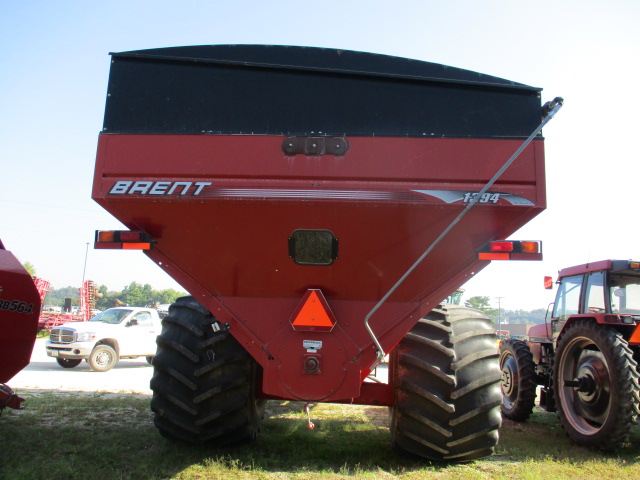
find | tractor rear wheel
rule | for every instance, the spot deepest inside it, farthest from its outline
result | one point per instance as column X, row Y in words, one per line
column 596, row 385
column 447, row 382
column 518, row 381
column 204, row 381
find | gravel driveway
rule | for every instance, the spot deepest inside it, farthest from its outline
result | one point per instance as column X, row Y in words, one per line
column 130, row 376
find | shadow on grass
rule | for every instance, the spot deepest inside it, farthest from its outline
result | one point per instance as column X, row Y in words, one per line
column 98, row 436
column 542, row 437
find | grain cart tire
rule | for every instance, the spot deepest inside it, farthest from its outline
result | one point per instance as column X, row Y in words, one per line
column 447, row 387
column 102, row 358
column 600, row 406
column 518, row 383
column 68, row 362
column 204, row 381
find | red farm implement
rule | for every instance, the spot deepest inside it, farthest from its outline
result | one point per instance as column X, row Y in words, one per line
column 319, row 205
column 87, row 303
column 19, row 309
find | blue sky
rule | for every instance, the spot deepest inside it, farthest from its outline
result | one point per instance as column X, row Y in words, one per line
column 54, row 67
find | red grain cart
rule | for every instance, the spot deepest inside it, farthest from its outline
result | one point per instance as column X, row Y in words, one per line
column 316, row 204
column 19, row 310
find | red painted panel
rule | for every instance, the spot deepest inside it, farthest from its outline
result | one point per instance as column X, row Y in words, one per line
column 403, row 160
column 19, row 311
column 220, row 210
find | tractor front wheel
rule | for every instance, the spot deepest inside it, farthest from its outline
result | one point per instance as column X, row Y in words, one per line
column 596, row 385
column 447, row 386
column 518, row 381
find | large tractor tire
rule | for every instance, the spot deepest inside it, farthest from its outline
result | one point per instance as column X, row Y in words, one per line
column 204, row 381
column 519, row 380
column 596, row 385
column 447, row 385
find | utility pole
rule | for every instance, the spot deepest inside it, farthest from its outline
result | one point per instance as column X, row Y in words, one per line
column 86, row 254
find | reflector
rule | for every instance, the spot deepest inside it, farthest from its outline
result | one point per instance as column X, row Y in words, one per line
column 136, row 246
column 501, row 246
column 106, row 236
column 635, row 338
column 493, row 256
column 128, row 236
column 529, row 247
column 313, row 313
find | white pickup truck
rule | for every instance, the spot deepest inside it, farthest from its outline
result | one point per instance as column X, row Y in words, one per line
column 122, row 332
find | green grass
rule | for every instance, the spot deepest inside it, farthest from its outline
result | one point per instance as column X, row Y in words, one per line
column 105, row 436
column 43, row 334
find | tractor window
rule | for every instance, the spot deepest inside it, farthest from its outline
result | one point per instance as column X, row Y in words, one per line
column 625, row 294
column 595, row 293
column 568, row 298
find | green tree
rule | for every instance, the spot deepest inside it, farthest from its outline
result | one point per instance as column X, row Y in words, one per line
column 523, row 316
column 56, row 296
column 28, row 266
column 106, row 299
column 482, row 304
column 136, row 295
column 166, row 296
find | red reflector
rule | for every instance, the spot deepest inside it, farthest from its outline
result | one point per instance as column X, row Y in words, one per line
column 493, row 256
column 127, row 236
column 313, row 313
column 501, row 246
column 136, row 246
column 635, row 338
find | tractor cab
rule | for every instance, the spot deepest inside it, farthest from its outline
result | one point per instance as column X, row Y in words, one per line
column 607, row 291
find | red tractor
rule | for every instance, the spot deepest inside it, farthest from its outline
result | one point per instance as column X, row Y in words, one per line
column 585, row 358
column 19, row 310
column 319, row 205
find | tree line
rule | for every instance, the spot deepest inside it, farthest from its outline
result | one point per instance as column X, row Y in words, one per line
column 134, row 294
column 506, row 316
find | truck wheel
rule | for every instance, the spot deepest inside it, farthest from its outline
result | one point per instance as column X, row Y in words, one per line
column 518, row 383
column 204, row 381
column 596, row 385
column 68, row 362
column 102, row 358
column 447, row 385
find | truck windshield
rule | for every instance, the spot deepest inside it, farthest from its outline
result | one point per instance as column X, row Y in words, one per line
column 112, row 316
column 625, row 294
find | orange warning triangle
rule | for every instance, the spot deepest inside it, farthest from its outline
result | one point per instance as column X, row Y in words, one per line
column 313, row 313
